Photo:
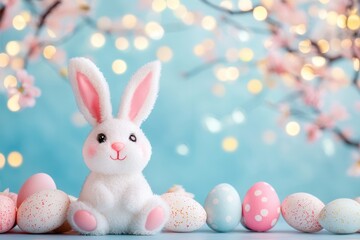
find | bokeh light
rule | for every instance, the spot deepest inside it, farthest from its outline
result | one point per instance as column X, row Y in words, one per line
column 182, row 149
column 229, row 144
column 13, row 103
column 246, row 54
column 129, row 21
column 164, row 54
column 97, row 40
column 254, row 86
column 19, row 22
column 122, row 43
column 158, row 5
column 292, row 128
column 260, row 13
column 10, row 81
column 2, row 161
column 4, row 60
column 208, row 23
column 141, row 43
column 154, row 30
column 49, row 52
column 15, row 159
column 13, row 48
column 119, row 66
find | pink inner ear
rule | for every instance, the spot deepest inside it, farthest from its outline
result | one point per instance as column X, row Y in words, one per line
column 89, row 95
column 139, row 97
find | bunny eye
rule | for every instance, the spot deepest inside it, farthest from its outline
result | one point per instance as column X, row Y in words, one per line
column 101, row 138
column 132, row 137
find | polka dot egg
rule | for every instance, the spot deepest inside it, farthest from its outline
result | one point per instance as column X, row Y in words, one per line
column 261, row 207
column 223, row 208
column 43, row 211
column 301, row 211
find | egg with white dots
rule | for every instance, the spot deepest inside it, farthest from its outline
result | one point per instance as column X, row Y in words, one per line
column 223, row 208
column 261, row 207
column 341, row 216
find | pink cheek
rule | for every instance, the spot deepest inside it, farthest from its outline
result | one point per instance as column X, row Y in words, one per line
column 90, row 151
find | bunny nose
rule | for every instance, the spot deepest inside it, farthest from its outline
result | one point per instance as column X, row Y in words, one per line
column 118, row 146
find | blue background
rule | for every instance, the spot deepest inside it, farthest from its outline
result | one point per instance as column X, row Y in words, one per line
column 50, row 142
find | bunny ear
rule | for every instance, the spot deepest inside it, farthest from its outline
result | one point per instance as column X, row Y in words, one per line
column 91, row 90
column 140, row 94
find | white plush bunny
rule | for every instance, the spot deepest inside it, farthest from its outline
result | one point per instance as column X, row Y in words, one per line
column 116, row 198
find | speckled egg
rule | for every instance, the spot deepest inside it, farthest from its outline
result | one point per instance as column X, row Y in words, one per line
column 186, row 214
column 301, row 211
column 34, row 184
column 261, row 207
column 341, row 216
column 223, row 208
column 43, row 211
column 7, row 213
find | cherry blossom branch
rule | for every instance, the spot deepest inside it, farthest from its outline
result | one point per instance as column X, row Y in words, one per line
column 226, row 10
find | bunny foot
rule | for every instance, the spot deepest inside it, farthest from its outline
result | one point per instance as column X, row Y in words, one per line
column 152, row 218
column 87, row 220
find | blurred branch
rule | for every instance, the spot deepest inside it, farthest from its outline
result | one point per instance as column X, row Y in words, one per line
column 198, row 69
column 226, row 10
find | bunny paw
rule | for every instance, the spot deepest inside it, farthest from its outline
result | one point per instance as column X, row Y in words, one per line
column 155, row 219
column 85, row 221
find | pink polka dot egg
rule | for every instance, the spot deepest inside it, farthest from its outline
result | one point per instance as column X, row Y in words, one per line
column 7, row 213
column 261, row 207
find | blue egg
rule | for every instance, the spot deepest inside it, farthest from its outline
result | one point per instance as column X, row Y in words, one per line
column 223, row 208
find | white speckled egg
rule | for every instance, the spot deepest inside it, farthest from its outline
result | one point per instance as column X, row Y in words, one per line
column 223, row 208
column 261, row 207
column 7, row 213
column 186, row 214
column 341, row 216
column 43, row 211
column 301, row 211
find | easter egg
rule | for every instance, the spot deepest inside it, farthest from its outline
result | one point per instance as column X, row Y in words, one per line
column 261, row 207
column 34, row 184
column 186, row 214
column 341, row 216
column 7, row 213
column 43, row 211
column 9, row 194
column 301, row 211
column 223, row 208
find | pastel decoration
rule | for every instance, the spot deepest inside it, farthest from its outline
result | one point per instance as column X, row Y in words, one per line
column 116, row 198
column 261, row 207
column 223, row 208
column 7, row 214
column 186, row 214
column 34, row 184
column 9, row 194
column 43, row 211
column 341, row 216
column 301, row 211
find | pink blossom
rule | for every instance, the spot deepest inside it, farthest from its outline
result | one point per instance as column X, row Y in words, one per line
column 354, row 169
column 26, row 89
column 325, row 121
column 288, row 12
column 338, row 112
column 313, row 132
column 312, row 97
column 11, row 7
column 339, row 6
column 32, row 43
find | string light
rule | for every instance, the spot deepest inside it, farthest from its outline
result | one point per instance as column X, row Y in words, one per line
column 199, row 50
column 17, row 63
column 299, row 29
column 213, row 125
column 341, row 21
column 260, row 13
column 158, row 5
column 292, row 128
column 2, row 161
column 232, row 73
column 50, row 33
column 182, row 150
column 119, row 66
column 229, row 144
column 49, row 52
column 322, row 14
column 129, row 21
column 19, row 22
column 13, row 103
column 307, row 72
column 15, row 159
column 4, row 60
column 122, row 43
column 26, row 15
column 324, row 1
column 208, row 23
column 189, row 18
column 356, row 64
column 227, row 4
column 12, row 48
column 331, row 18
column 10, row 81
column 154, row 30
column 220, row 74
column 164, row 54
column 141, row 43
column 353, row 22
column 97, row 40
column 246, row 54
column 346, row 43
column 318, row 61
column 254, row 86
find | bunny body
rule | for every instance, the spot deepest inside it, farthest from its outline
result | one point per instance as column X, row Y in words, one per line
column 116, row 198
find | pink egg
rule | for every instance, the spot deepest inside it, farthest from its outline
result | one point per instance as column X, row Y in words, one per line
column 34, row 184
column 261, row 207
column 9, row 194
column 7, row 213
